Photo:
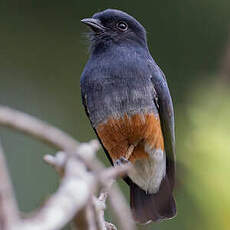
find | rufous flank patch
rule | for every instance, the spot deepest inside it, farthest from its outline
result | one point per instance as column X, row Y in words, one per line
column 118, row 134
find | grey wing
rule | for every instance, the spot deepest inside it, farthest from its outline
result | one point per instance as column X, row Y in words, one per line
column 164, row 103
column 84, row 102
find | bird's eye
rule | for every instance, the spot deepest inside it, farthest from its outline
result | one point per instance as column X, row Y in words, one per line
column 122, row 26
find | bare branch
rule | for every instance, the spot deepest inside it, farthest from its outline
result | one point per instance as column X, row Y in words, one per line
column 81, row 174
column 73, row 194
column 118, row 204
column 104, row 177
column 34, row 127
column 120, row 209
column 98, row 209
column 8, row 205
column 42, row 131
column 114, row 172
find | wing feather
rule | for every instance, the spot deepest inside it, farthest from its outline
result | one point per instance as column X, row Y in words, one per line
column 164, row 104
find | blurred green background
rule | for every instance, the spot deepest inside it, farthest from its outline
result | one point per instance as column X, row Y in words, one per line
column 42, row 54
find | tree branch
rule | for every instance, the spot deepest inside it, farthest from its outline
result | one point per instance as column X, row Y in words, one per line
column 82, row 174
column 40, row 130
column 8, row 205
column 74, row 192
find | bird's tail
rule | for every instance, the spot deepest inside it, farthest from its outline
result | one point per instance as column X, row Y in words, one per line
column 152, row 207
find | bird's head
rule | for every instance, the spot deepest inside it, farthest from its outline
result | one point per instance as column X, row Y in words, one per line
column 115, row 26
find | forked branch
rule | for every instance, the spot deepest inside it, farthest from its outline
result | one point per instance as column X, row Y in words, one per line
column 82, row 175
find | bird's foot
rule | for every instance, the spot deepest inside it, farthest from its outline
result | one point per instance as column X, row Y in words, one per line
column 121, row 161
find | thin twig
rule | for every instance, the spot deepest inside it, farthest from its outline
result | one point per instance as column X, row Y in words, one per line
column 117, row 202
column 114, row 172
column 120, row 209
column 98, row 209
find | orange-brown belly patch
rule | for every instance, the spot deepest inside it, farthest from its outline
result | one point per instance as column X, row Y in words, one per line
column 118, row 134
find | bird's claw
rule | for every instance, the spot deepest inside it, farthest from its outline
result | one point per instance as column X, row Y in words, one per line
column 121, row 161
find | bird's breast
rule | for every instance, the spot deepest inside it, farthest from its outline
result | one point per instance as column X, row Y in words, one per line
column 116, row 97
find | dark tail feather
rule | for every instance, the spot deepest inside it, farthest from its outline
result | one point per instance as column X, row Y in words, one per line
column 152, row 207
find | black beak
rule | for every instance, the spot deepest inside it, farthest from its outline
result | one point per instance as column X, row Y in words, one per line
column 94, row 24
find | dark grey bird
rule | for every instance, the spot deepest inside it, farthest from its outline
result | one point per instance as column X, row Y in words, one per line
column 127, row 100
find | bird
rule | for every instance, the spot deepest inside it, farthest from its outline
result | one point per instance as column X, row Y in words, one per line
column 127, row 100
